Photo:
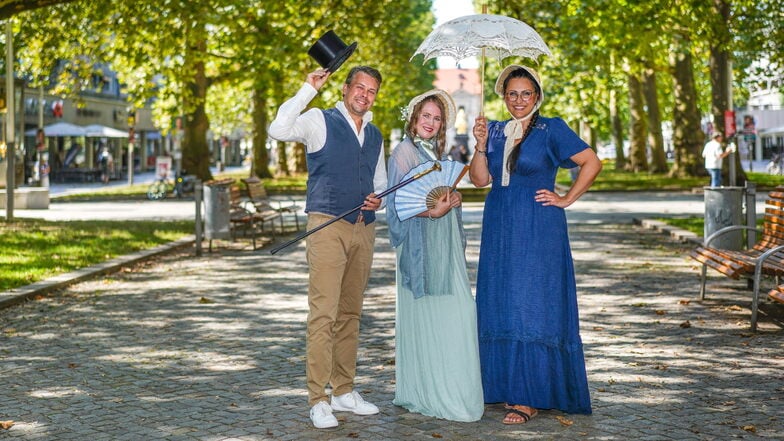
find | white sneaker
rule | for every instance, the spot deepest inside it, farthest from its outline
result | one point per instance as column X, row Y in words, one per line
column 353, row 402
column 321, row 415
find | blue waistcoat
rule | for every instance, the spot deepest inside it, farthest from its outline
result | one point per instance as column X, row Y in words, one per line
column 340, row 175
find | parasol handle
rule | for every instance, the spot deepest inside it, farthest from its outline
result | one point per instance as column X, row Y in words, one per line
column 482, row 82
column 436, row 167
column 482, row 107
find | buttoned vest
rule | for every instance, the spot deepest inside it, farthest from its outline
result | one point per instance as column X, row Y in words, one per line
column 340, row 175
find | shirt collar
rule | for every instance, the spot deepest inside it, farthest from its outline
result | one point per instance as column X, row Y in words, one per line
column 366, row 118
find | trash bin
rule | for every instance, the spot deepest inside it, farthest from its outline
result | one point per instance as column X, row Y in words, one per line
column 723, row 208
column 216, row 209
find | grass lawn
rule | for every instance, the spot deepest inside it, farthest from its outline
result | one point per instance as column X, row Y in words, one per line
column 695, row 224
column 608, row 180
column 33, row 250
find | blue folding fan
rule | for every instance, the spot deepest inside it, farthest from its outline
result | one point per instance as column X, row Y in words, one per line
column 423, row 193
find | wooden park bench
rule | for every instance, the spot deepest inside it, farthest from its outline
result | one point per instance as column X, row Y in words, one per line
column 259, row 197
column 248, row 221
column 777, row 294
column 765, row 257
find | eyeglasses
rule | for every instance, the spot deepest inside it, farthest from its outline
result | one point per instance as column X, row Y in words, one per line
column 515, row 95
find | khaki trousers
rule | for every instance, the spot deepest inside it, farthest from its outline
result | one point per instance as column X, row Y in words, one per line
column 339, row 257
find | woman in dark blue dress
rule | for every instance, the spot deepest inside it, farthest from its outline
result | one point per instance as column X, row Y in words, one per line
column 529, row 339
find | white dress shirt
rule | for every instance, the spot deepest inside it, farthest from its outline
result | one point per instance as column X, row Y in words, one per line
column 310, row 128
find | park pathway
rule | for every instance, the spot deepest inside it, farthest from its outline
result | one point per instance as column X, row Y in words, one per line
column 212, row 348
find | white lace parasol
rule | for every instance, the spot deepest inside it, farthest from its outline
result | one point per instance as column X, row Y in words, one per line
column 495, row 36
column 498, row 35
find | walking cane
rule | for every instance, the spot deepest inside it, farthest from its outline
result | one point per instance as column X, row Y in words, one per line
column 436, row 167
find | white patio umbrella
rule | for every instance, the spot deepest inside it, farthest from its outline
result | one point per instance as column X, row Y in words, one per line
column 59, row 129
column 495, row 36
column 100, row 131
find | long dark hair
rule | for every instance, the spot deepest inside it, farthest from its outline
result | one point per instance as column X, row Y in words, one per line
column 412, row 119
column 522, row 73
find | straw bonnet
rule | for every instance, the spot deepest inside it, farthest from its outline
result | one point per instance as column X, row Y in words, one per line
column 499, row 84
column 449, row 105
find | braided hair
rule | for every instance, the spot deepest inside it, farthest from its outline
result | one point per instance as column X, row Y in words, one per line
column 515, row 154
column 512, row 164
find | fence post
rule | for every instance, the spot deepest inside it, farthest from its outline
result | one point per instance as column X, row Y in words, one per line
column 751, row 213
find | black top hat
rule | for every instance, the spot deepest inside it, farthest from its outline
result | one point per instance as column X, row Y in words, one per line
column 330, row 51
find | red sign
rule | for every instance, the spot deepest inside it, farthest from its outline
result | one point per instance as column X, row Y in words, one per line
column 729, row 123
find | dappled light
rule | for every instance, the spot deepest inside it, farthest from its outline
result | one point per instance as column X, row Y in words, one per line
column 222, row 335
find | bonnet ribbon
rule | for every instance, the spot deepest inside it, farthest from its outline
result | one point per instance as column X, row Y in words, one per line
column 426, row 146
column 513, row 131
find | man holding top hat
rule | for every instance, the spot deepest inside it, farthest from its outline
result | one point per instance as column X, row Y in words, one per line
column 345, row 157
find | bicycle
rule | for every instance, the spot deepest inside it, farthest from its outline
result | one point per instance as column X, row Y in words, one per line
column 160, row 188
column 776, row 165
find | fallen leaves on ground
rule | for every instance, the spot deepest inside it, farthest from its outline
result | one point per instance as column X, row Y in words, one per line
column 686, row 324
column 564, row 421
column 750, row 428
column 6, row 424
column 205, row 300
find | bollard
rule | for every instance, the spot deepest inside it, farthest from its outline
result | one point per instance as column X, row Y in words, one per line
column 751, row 213
column 198, row 196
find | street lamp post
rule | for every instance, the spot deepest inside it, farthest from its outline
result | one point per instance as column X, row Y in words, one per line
column 9, row 137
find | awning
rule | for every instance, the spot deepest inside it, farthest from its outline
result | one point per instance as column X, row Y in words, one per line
column 59, row 129
column 99, row 131
column 772, row 131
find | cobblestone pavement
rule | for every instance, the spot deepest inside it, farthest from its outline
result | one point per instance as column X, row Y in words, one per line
column 212, row 348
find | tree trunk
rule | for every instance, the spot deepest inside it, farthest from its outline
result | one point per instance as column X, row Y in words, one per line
column 260, row 164
column 283, row 160
column 300, row 163
column 195, row 151
column 638, row 154
column 617, row 130
column 687, row 136
column 655, row 138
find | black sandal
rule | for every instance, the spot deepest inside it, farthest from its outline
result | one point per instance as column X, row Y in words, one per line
column 523, row 414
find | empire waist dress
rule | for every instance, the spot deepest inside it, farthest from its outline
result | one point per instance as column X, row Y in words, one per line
column 436, row 348
column 529, row 339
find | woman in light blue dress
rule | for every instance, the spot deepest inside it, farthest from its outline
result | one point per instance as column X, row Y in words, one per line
column 436, row 354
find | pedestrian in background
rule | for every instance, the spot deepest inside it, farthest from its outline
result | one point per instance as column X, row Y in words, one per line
column 436, row 350
column 713, row 154
column 530, row 348
column 345, row 158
